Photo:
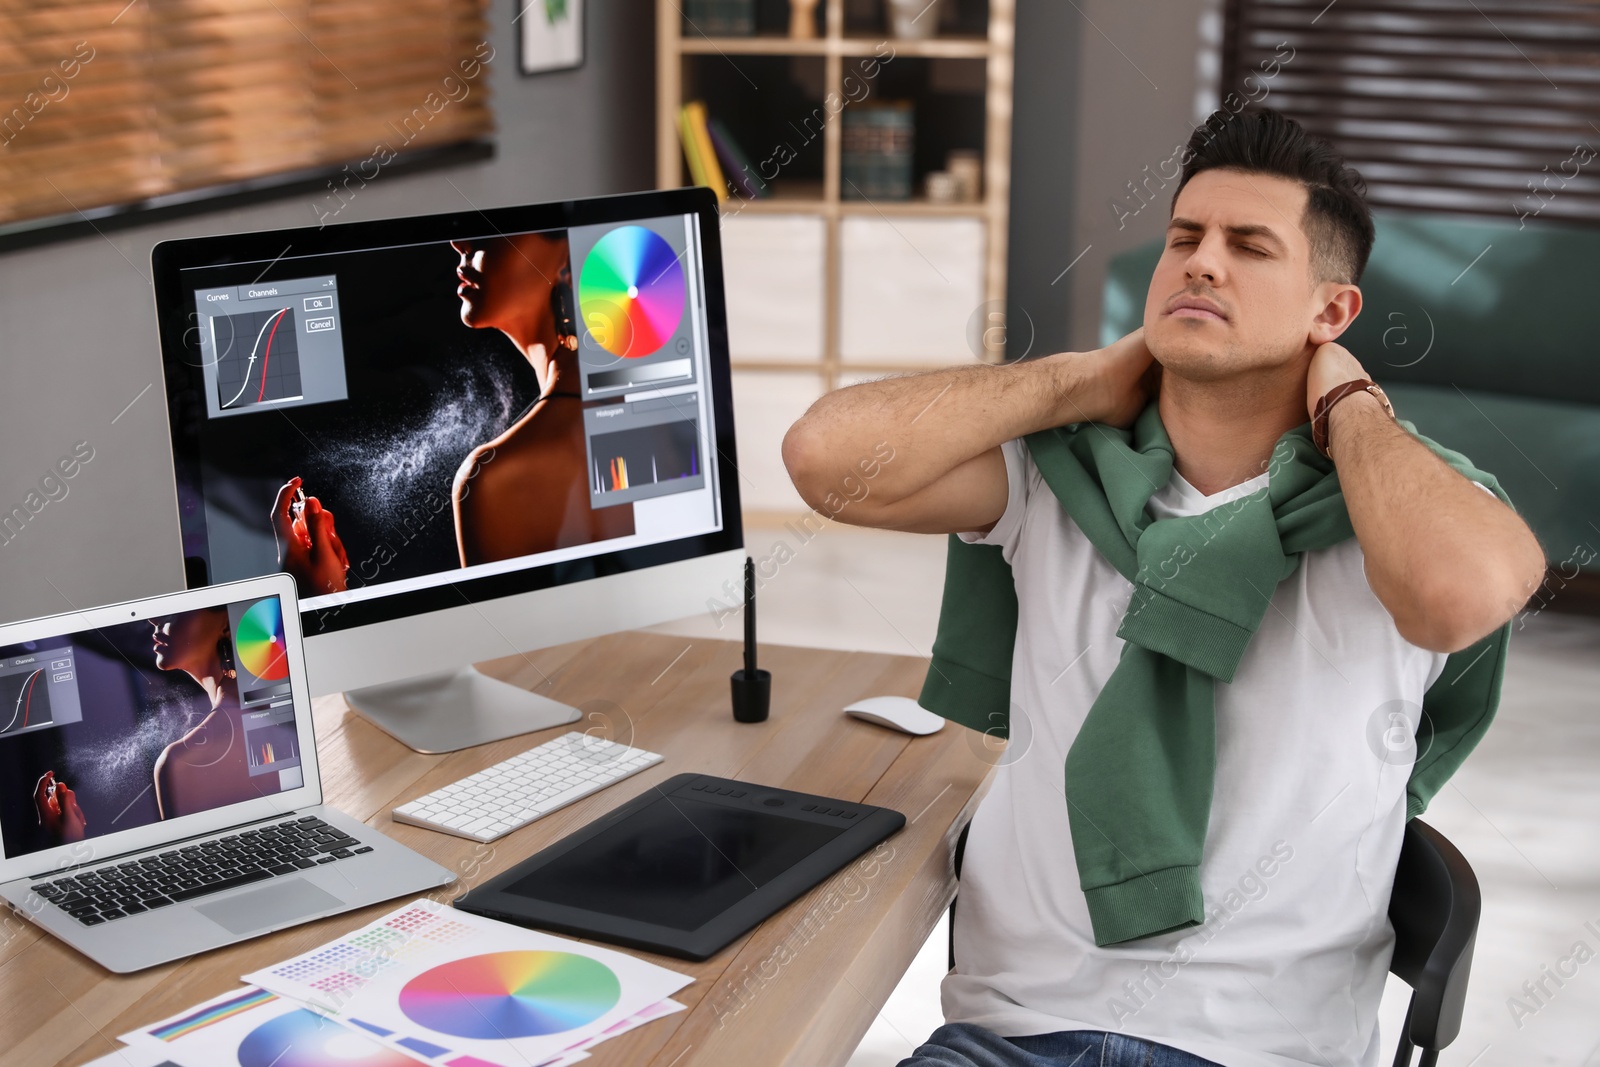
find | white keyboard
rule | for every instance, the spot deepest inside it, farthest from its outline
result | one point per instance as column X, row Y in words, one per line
column 528, row 786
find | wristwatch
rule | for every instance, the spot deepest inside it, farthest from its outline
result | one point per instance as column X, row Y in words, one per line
column 1319, row 417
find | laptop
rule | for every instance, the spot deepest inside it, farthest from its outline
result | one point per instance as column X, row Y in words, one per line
column 159, row 789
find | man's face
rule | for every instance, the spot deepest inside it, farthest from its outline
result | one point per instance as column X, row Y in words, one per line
column 1236, row 242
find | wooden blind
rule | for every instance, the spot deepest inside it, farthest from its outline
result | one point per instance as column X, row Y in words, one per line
column 110, row 102
column 1484, row 107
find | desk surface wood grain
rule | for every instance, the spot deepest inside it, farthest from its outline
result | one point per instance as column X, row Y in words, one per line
column 800, row 989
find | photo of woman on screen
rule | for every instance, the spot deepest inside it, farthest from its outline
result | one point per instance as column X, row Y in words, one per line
column 208, row 766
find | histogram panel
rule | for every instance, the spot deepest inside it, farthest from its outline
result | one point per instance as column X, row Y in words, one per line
column 272, row 744
column 645, row 455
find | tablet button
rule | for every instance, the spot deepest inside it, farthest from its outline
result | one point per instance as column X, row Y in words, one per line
column 808, row 807
column 773, row 802
column 849, row 814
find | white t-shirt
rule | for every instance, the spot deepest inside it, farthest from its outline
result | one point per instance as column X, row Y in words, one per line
column 1314, row 749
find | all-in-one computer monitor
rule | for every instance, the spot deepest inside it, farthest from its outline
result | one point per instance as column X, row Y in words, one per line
column 465, row 435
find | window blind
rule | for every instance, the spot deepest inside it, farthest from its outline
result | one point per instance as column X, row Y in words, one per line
column 1484, row 107
column 108, row 102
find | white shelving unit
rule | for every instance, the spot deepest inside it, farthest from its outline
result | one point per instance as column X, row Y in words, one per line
column 825, row 290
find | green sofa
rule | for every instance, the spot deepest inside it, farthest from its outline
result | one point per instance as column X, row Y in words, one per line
column 1494, row 355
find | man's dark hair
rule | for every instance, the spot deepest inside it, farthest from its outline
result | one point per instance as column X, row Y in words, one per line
column 1337, row 221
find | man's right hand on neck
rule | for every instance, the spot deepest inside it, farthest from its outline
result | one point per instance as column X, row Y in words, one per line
column 944, row 429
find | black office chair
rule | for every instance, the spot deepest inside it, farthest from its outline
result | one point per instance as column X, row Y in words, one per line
column 1434, row 909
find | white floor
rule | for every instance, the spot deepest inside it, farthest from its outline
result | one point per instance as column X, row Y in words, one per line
column 1524, row 809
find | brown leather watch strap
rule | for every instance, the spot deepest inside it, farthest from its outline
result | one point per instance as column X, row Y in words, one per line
column 1319, row 417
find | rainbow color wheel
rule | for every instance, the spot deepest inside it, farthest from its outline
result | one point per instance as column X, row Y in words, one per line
column 630, row 293
column 511, row 994
column 302, row 1039
column 259, row 639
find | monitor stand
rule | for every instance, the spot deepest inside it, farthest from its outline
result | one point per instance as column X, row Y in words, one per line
column 455, row 709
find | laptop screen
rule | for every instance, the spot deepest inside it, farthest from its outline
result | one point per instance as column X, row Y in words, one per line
column 111, row 729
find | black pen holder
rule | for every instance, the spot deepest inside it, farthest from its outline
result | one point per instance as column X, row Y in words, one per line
column 752, row 695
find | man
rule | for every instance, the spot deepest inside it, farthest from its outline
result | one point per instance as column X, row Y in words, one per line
column 1268, row 237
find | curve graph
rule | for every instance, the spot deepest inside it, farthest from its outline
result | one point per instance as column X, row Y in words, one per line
column 24, row 700
column 259, row 359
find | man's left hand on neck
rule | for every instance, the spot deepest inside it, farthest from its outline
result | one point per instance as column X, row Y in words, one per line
column 1449, row 562
column 1331, row 366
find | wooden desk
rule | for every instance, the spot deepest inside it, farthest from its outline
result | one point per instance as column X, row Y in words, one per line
column 800, row 989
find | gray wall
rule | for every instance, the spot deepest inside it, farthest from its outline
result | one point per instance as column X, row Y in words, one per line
column 77, row 331
column 1044, row 174
column 1104, row 88
column 78, row 336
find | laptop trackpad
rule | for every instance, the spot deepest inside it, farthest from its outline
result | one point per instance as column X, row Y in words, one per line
column 279, row 903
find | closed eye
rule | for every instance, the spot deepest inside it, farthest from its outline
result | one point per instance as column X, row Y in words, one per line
column 1181, row 242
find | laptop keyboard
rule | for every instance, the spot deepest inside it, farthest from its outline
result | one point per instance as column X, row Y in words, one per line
column 124, row 889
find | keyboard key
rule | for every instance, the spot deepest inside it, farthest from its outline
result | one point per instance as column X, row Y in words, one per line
column 89, row 920
column 155, row 902
column 363, row 848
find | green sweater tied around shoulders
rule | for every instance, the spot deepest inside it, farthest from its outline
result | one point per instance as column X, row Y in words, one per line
column 1139, row 775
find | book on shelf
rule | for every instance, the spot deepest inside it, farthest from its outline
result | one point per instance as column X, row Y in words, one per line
column 708, row 154
column 878, row 141
column 720, row 18
column 697, row 148
column 735, row 164
column 703, row 168
column 691, row 151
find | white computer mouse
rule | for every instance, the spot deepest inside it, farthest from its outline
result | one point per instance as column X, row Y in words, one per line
column 897, row 713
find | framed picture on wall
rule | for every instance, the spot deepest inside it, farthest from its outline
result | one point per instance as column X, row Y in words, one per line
column 551, row 34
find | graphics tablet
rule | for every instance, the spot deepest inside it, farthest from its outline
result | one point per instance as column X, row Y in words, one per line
column 687, row 867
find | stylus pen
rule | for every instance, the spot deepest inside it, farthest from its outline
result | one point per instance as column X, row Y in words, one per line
column 749, row 617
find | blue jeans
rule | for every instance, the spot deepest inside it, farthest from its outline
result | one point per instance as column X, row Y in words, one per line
column 966, row 1045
